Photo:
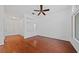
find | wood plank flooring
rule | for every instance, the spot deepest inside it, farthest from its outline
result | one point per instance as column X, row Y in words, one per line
column 41, row 44
column 45, row 44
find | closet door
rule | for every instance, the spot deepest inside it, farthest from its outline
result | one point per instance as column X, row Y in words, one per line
column 1, row 25
column 77, row 26
column 14, row 25
column 30, row 26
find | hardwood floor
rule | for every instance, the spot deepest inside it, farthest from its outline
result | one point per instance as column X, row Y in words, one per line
column 41, row 44
column 45, row 44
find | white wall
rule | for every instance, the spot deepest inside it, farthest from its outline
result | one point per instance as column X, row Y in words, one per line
column 56, row 24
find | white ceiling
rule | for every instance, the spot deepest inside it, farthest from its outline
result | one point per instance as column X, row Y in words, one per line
column 21, row 10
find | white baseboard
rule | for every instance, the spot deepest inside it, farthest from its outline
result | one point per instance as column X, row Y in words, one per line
column 2, row 39
column 75, row 43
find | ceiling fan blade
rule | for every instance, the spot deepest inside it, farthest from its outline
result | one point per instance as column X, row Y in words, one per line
column 37, row 10
column 39, row 13
column 43, row 13
column 41, row 7
column 46, row 10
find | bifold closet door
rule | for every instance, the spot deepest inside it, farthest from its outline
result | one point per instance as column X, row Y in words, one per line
column 16, row 25
column 13, row 25
column 1, row 25
column 30, row 26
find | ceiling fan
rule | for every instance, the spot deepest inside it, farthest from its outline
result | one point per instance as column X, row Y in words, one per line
column 41, row 10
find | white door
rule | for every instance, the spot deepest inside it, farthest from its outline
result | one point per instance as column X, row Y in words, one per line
column 30, row 26
column 13, row 25
column 1, row 25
